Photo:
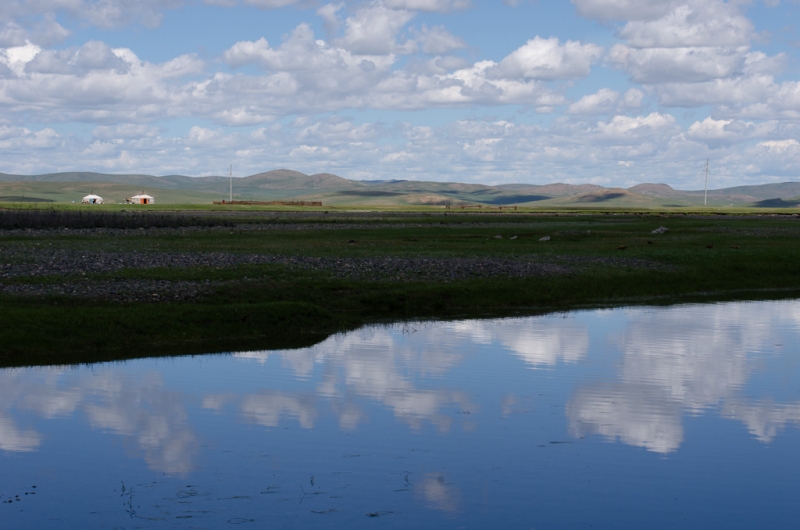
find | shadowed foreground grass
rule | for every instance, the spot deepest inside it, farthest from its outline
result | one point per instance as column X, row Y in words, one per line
column 611, row 260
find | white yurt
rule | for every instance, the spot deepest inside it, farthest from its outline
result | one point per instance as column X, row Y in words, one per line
column 92, row 199
column 141, row 199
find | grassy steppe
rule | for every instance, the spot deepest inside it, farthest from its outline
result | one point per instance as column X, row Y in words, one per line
column 276, row 306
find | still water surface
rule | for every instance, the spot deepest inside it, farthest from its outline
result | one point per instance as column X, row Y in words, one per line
column 684, row 416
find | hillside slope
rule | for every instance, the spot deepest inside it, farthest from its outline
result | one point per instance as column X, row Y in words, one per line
column 283, row 184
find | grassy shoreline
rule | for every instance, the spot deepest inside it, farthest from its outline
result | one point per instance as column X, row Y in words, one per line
column 599, row 261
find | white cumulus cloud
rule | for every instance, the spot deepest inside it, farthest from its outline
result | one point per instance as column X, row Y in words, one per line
column 441, row 6
column 548, row 59
column 373, row 30
column 706, row 23
column 601, row 102
column 436, row 40
column 623, row 9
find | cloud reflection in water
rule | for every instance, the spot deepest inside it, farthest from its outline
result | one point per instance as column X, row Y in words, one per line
column 438, row 493
column 141, row 409
column 267, row 408
column 381, row 364
column 541, row 341
column 14, row 439
column 673, row 361
column 375, row 364
column 764, row 419
column 685, row 359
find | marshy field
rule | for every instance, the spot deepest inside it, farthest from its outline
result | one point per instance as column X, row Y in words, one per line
column 197, row 368
column 83, row 285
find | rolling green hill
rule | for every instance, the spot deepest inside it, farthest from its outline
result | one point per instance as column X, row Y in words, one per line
column 68, row 191
column 283, row 184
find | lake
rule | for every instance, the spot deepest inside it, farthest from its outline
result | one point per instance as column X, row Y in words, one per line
column 649, row 417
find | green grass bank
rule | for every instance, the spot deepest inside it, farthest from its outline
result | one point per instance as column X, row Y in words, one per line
column 329, row 275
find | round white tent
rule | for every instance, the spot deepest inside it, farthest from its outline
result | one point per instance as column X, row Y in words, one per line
column 92, row 199
column 141, row 199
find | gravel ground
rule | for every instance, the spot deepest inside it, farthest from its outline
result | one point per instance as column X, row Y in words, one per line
column 124, row 290
column 338, row 224
column 49, row 262
column 18, row 263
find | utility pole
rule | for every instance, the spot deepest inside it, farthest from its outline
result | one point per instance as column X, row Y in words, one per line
column 230, row 197
column 705, row 196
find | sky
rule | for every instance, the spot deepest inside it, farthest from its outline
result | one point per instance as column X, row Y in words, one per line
column 608, row 92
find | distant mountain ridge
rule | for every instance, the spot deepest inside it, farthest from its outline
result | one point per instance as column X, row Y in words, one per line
column 332, row 189
column 272, row 179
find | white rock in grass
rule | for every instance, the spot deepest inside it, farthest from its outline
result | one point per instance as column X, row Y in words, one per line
column 545, row 238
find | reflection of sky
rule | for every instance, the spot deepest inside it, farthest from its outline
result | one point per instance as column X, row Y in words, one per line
column 674, row 361
column 438, row 493
column 374, row 365
column 427, row 425
column 686, row 359
column 141, row 410
column 667, row 363
column 381, row 364
column 539, row 342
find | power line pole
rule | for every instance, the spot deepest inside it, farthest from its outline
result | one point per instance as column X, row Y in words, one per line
column 230, row 197
column 705, row 196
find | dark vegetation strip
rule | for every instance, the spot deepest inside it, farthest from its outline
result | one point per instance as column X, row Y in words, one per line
column 65, row 331
column 37, row 219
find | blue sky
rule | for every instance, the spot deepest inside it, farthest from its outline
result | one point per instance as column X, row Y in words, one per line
column 611, row 92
